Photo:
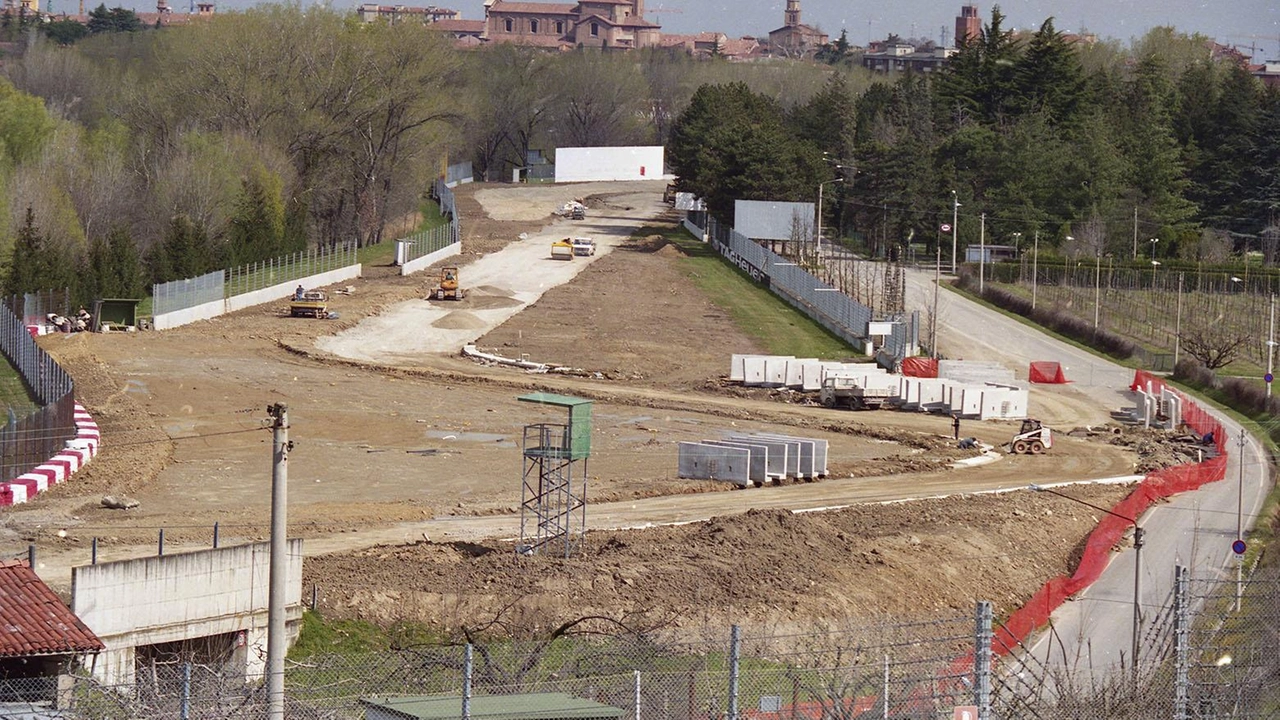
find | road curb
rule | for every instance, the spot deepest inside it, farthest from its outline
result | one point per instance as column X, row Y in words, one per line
column 77, row 453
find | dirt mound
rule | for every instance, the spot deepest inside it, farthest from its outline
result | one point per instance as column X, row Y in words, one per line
column 764, row 565
column 490, row 302
column 670, row 251
column 458, row 320
column 651, row 244
column 493, row 290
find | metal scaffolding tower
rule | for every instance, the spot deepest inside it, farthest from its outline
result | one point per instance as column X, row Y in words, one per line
column 553, row 507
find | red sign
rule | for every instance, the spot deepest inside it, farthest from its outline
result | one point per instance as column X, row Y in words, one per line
column 967, row 712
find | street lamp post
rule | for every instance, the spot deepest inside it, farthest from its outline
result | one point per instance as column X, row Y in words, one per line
column 1177, row 327
column 1017, row 248
column 1271, row 341
column 955, row 217
column 1153, row 242
column 1154, row 264
column 818, row 235
column 1138, row 533
column 982, row 254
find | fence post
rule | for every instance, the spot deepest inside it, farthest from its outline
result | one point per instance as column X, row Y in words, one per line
column 982, row 638
column 1181, row 644
column 885, row 688
column 185, row 711
column 467, row 668
column 637, row 698
column 735, row 647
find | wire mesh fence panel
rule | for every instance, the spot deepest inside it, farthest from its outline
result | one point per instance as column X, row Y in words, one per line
column 182, row 294
column 1233, row 661
column 35, row 308
column 428, row 241
column 288, row 268
column 33, row 434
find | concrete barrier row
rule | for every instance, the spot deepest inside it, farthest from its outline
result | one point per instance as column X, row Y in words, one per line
column 985, row 393
column 412, row 266
column 77, row 453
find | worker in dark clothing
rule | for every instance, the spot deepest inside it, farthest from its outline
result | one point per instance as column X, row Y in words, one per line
column 955, row 426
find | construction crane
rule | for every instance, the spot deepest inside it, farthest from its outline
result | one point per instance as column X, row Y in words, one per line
column 1253, row 46
column 664, row 10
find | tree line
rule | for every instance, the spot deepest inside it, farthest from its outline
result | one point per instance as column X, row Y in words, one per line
column 1082, row 145
column 252, row 134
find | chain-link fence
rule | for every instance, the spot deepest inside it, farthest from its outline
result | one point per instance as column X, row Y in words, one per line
column 428, row 241
column 33, row 434
column 1202, row 658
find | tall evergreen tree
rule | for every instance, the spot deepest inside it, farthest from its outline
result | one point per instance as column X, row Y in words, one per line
column 1047, row 77
column 124, row 279
column 26, row 262
column 257, row 228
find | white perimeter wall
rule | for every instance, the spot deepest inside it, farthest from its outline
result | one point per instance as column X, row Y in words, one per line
column 430, row 259
column 249, row 299
column 610, row 163
column 151, row 600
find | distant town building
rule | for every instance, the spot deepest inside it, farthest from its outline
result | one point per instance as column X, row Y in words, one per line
column 902, row 56
column 605, row 24
column 794, row 38
column 968, row 24
column 399, row 13
column 714, row 44
column 1268, row 73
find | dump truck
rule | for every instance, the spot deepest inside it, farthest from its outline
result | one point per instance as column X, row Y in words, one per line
column 562, row 249
column 309, row 303
column 578, row 212
column 584, row 246
column 448, row 288
column 849, row 392
column 1033, row 438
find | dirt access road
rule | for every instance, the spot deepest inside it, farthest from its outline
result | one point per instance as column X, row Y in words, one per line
column 386, row 454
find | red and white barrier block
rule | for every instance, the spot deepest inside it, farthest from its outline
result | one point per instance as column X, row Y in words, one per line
column 77, row 453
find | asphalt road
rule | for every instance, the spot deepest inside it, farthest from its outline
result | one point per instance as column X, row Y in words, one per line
column 1092, row 633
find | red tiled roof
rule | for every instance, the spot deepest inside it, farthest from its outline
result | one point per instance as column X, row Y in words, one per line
column 459, row 26
column 529, row 7
column 33, row 621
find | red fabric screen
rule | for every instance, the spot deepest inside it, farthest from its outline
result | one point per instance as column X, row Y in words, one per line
column 920, row 367
column 1155, row 486
column 1045, row 371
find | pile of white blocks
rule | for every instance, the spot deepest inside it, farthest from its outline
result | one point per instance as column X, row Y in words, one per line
column 981, row 390
column 754, row 459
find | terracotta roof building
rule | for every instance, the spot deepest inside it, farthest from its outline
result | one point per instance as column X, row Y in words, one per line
column 605, row 24
column 398, row 13
column 794, row 38
column 33, row 621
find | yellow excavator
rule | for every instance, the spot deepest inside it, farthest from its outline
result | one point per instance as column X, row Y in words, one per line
column 448, row 288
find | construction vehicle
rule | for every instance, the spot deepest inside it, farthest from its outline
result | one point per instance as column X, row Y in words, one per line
column 1033, row 438
column 669, row 194
column 562, row 249
column 578, row 212
column 448, row 288
column 848, row 392
column 584, row 246
column 309, row 303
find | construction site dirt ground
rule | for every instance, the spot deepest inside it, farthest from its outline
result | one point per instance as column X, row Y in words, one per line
column 428, row 452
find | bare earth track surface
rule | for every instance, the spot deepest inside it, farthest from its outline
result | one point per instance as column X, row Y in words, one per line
column 426, row 452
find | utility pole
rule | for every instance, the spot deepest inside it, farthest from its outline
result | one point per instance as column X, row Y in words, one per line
column 937, row 280
column 1240, row 523
column 1177, row 327
column 1271, row 340
column 982, row 254
column 955, row 217
column 1097, row 288
column 1135, row 232
column 277, row 641
column 1035, row 261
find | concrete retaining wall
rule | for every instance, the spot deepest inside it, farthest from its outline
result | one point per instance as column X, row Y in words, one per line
column 133, row 603
column 430, row 259
column 257, row 297
column 607, row 164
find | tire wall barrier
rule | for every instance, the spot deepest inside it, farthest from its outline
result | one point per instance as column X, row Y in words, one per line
column 1155, row 486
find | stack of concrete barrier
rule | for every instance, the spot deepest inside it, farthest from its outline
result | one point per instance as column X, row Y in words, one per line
column 981, row 390
column 754, row 459
column 1159, row 407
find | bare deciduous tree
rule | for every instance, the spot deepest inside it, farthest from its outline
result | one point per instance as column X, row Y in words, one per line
column 1215, row 347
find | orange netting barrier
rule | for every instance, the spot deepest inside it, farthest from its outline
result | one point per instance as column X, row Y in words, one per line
column 1155, row 486
column 1046, row 371
column 920, row 367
